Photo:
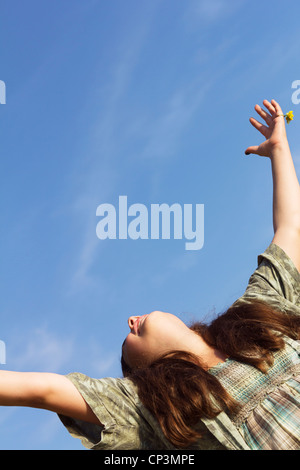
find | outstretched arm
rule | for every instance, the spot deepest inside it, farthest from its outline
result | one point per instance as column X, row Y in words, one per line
column 286, row 189
column 48, row 391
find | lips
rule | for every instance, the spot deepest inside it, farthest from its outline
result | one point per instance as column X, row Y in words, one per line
column 139, row 322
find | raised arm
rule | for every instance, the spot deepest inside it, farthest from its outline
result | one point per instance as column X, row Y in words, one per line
column 47, row 391
column 286, row 189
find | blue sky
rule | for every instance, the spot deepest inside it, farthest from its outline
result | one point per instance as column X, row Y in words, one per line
column 145, row 99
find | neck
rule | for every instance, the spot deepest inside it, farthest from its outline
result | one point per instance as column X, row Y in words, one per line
column 208, row 355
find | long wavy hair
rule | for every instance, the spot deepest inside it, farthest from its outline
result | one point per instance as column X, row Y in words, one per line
column 179, row 390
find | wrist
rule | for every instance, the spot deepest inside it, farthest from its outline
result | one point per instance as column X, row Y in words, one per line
column 280, row 148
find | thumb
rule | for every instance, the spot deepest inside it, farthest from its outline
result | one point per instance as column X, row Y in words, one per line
column 253, row 149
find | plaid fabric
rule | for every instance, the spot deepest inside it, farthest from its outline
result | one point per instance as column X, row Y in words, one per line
column 274, row 424
column 270, row 415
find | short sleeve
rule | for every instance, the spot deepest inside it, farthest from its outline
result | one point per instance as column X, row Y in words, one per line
column 126, row 423
column 276, row 281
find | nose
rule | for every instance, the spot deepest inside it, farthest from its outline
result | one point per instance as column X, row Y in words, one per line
column 132, row 320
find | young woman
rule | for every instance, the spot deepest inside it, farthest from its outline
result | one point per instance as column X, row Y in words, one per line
column 231, row 384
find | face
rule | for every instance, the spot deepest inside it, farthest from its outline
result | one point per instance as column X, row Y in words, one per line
column 151, row 336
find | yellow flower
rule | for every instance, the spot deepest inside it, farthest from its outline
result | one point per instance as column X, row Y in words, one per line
column 289, row 116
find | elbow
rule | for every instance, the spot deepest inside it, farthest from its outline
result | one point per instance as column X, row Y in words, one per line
column 289, row 232
column 290, row 223
column 296, row 226
column 295, row 220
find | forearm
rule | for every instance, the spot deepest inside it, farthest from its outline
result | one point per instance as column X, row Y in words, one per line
column 286, row 190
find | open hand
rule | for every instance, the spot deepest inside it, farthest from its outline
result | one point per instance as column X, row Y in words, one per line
column 274, row 131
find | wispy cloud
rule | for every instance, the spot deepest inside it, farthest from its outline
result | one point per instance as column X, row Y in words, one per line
column 103, row 362
column 210, row 10
column 103, row 148
column 39, row 349
column 207, row 12
column 160, row 133
column 165, row 130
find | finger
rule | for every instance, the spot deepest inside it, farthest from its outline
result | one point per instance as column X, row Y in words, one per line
column 277, row 107
column 260, row 127
column 270, row 107
column 252, row 149
column 266, row 117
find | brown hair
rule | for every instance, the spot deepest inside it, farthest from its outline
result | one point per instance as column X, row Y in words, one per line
column 179, row 391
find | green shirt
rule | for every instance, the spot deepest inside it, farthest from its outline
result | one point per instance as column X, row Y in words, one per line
column 128, row 425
